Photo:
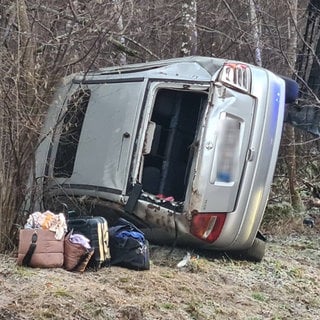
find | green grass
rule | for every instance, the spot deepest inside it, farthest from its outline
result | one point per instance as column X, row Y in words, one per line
column 259, row 296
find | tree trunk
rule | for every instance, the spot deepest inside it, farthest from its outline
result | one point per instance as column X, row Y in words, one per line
column 189, row 34
column 256, row 30
column 289, row 132
column 122, row 55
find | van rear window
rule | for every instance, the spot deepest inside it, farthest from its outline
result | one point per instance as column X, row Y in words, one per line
column 70, row 133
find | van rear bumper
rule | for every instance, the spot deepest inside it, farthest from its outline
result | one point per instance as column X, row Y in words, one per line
column 166, row 226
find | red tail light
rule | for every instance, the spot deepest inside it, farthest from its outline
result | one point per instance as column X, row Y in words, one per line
column 207, row 226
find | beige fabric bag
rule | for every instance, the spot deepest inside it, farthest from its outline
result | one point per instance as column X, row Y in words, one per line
column 39, row 248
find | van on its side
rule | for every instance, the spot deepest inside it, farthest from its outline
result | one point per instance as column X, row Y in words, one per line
column 186, row 148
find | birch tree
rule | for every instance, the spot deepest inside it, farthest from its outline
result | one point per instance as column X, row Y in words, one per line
column 256, row 30
column 121, row 30
column 189, row 44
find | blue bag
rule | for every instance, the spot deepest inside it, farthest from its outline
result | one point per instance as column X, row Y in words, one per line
column 128, row 246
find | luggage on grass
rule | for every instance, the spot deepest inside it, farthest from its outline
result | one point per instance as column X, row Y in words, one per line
column 41, row 242
column 77, row 252
column 128, row 246
column 39, row 248
column 96, row 230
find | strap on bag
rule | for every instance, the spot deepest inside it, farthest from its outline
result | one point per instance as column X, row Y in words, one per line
column 81, row 260
column 27, row 258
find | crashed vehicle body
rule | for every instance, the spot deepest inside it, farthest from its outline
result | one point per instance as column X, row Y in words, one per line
column 185, row 148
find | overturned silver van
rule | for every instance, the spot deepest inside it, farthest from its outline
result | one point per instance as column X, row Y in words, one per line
column 186, row 148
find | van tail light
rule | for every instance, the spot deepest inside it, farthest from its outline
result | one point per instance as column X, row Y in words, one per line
column 236, row 75
column 207, row 226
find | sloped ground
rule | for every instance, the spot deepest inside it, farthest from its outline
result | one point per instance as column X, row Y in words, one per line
column 286, row 285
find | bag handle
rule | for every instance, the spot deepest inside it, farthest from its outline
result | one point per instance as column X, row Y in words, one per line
column 69, row 214
column 81, row 260
column 27, row 258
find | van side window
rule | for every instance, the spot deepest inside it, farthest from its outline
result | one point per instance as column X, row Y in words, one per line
column 70, row 134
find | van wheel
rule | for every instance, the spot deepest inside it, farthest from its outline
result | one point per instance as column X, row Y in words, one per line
column 292, row 90
column 255, row 253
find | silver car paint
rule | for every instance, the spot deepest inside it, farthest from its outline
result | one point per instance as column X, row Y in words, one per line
column 107, row 155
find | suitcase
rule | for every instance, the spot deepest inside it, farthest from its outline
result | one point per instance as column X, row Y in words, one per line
column 96, row 230
column 39, row 248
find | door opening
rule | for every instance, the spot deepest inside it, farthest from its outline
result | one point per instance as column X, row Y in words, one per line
column 166, row 167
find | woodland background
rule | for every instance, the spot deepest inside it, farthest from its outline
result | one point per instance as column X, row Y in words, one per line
column 42, row 41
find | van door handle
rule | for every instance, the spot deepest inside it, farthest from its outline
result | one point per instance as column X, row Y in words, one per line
column 126, row 135
column 250, row 154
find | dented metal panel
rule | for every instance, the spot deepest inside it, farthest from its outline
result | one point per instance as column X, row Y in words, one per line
column 215, row 191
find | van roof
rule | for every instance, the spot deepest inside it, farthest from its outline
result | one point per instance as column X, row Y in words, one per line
column 193, row 67
column 208, row 63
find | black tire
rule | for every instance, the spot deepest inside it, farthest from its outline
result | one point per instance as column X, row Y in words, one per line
column 292, row 90
column 255, row 253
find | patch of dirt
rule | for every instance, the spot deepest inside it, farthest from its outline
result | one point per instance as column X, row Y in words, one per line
column 285, row 285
